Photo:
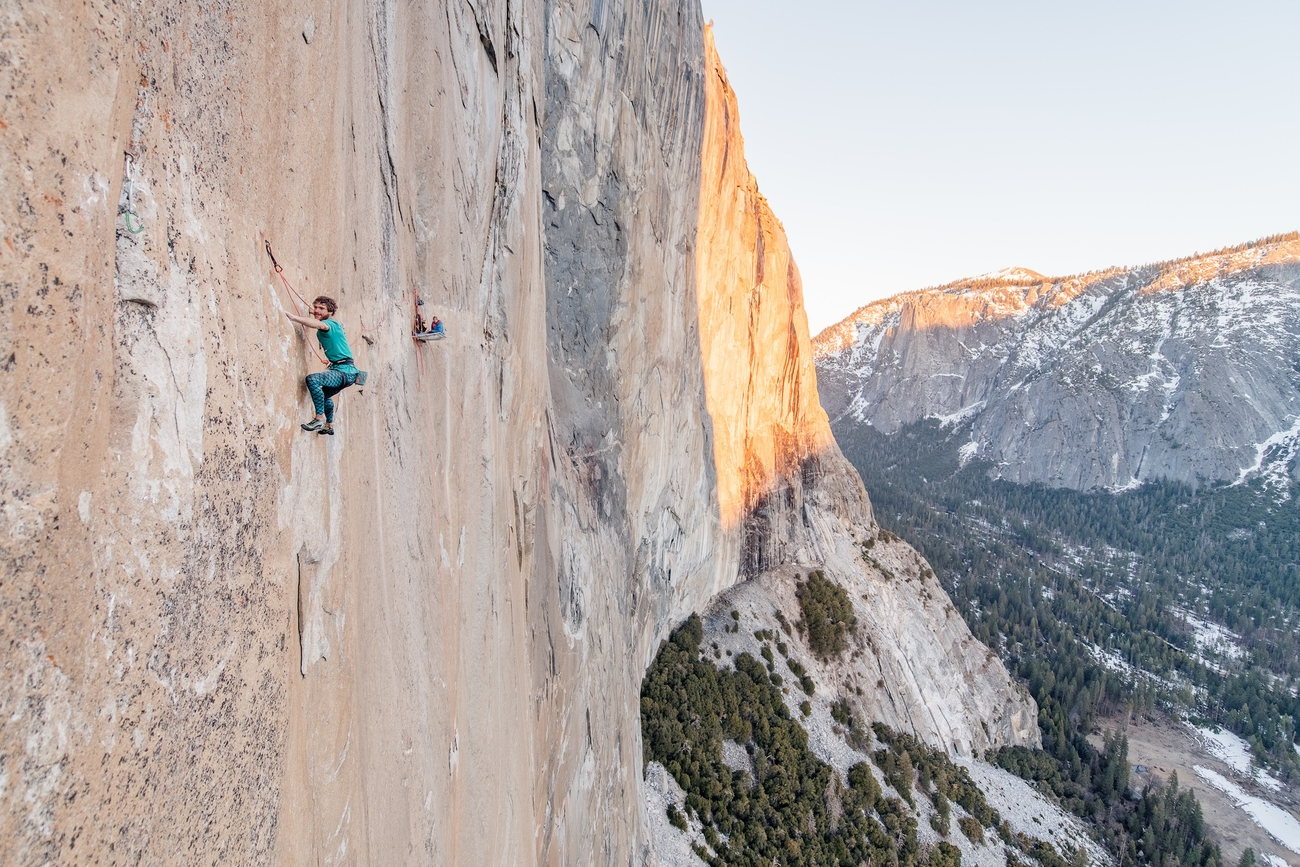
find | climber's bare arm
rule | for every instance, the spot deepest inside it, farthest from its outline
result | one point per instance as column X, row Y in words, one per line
column 309, row 322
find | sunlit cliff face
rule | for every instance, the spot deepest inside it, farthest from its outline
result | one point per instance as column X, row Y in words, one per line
column 751, row 318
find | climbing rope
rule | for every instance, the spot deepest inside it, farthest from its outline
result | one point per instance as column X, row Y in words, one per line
column 367, row 334
column 302, row 310
column 427, row 397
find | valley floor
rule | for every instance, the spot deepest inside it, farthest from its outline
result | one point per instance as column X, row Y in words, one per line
column 1167, row 746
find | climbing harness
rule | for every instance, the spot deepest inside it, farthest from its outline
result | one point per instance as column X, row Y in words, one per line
column 295, row 296
column 423, row 331
column 130, row 201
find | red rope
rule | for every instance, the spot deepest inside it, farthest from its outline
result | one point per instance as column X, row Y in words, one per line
column 424, row 381
column 294, row 292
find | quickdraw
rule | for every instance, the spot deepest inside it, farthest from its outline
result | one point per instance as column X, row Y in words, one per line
column 278, row 269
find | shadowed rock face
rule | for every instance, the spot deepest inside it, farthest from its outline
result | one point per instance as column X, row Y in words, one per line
column 635, row 539
column 1183, row 371
column 420, row 640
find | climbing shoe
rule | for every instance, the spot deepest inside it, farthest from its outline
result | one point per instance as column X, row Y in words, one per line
column 314, row 424
column 327, row 429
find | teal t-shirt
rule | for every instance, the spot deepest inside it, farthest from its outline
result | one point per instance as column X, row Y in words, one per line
column 334, row 341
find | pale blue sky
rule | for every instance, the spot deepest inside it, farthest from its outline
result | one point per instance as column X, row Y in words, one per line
column 909, row 144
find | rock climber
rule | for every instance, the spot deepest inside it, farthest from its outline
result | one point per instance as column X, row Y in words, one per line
column 432, row 330
column 342, row 370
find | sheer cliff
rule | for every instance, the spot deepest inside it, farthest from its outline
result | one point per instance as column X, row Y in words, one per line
column 799, row 505
column 1186, row 370
column 419, row 640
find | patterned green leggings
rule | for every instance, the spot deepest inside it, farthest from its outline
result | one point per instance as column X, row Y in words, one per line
column 323, row 386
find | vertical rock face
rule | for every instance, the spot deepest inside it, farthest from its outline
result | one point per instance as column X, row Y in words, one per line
column 634, row 539
column 227, row 641
column 419, row 640
column 620, row 176
column 769, row 431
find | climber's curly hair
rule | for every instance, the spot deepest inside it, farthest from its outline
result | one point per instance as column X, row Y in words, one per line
column 330, row 304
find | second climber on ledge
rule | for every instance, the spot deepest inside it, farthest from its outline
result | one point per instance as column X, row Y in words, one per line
column 342, row 370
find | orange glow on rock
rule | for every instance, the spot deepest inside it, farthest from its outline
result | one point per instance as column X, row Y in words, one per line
column 760, row 383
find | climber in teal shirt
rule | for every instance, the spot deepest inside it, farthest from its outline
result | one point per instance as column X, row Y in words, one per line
column 342, row 371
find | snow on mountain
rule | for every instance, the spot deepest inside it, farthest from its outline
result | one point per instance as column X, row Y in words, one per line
column 1186, row 370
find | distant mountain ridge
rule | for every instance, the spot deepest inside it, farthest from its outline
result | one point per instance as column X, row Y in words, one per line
column 1187, row 370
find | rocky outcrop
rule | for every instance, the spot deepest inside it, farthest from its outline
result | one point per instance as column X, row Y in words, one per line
column 1186, row 370
column 420, row 640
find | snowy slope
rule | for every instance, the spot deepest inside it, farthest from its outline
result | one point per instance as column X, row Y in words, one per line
column 1186, row 370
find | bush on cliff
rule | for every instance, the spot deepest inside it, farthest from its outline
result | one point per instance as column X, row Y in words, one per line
column 796, row 810
column 827, row 614
column 783, row 815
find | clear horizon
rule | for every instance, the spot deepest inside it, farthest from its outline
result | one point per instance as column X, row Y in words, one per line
column 905, row 146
